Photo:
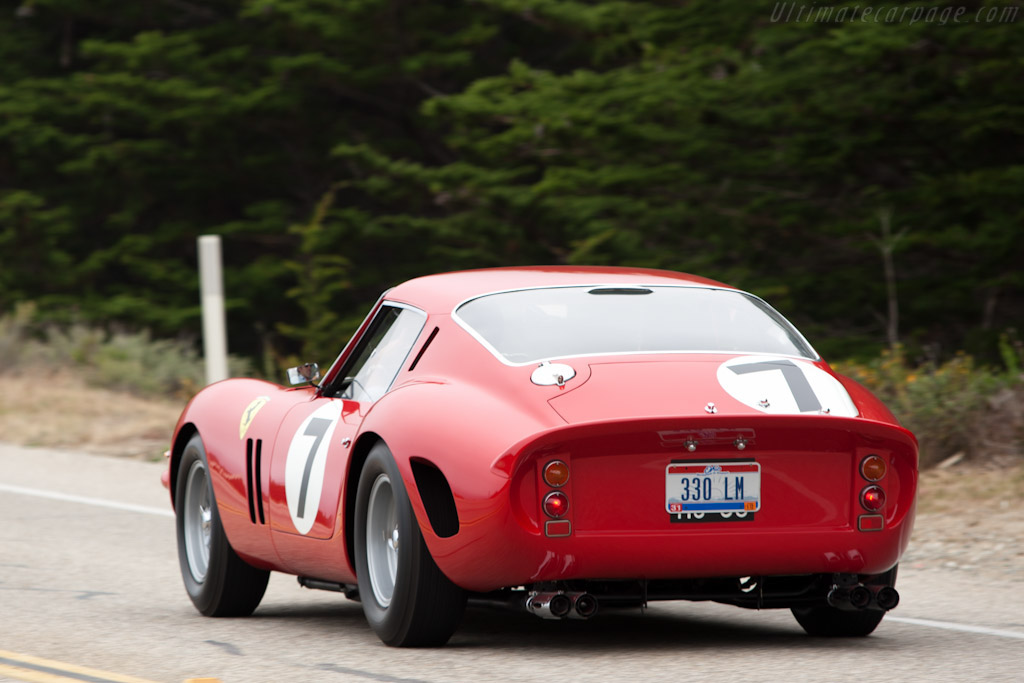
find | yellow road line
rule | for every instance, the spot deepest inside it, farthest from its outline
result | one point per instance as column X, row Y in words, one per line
column 38, row 670
column 19, row 674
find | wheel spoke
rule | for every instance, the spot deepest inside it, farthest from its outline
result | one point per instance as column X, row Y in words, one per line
column 382, row 540
column 198, row 519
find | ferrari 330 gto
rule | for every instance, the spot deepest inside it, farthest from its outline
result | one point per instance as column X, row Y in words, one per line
column 558, row 440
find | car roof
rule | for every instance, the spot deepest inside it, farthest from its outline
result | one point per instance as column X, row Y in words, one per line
column 442, row 293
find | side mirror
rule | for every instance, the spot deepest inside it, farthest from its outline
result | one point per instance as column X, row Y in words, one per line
column 303, row 374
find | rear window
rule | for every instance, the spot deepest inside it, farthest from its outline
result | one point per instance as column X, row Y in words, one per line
column 531, row 325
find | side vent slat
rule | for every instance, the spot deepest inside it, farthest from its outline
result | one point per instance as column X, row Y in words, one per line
column 423, row 348
column 248, row 479
column 254, row 479
column 259, row 478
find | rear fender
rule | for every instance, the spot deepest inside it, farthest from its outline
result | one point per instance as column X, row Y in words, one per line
column 454, row 430
column 867, row 403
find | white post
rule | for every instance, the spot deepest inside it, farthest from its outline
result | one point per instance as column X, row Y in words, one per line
column 211, row 289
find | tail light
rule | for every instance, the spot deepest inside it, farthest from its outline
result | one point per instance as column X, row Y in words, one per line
column 554, row 477
column 873, row 468
column 872, row 498
column 556, row 473
column 556, row 504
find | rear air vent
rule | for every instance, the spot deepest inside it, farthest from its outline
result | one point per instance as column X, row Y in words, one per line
column 437, row 498
column 620, row 291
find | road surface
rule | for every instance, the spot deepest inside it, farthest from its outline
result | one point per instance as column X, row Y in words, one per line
column 90, row 590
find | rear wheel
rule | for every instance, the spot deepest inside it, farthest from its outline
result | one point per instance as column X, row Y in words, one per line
column 828, row 621
column 219, row 582
column 407, row 600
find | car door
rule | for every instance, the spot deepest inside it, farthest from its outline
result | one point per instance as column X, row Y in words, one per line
column 311, row 452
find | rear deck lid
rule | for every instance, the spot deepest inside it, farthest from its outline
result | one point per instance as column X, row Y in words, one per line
column 701, row 385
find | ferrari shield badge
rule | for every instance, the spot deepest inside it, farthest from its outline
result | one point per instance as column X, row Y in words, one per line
column 249, row 414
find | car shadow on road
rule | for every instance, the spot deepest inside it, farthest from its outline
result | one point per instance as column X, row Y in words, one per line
column 706, row 627
column 654, row 629
column 621, row 629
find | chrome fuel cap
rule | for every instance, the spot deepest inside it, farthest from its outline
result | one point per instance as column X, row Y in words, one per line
column 548, row 374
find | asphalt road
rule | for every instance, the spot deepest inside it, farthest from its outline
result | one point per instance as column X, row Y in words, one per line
column 93, row 583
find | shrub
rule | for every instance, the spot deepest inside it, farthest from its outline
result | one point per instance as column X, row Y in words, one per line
column 952, row 407
column 115, row 359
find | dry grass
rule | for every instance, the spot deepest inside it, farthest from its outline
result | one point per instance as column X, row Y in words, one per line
column 62, row 411
column 994, row 486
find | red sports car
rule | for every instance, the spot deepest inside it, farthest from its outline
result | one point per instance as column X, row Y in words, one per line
column 560, row 440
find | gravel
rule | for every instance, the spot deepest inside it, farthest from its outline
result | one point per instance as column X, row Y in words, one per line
column 971, row 519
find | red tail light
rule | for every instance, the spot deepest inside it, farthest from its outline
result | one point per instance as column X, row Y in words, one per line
column 872, row 498
column 556, row 504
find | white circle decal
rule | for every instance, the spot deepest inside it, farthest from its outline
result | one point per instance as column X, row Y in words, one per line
column 307, row 460
column 784, row 386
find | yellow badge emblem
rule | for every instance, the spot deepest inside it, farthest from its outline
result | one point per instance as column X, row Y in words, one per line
column 250, row 413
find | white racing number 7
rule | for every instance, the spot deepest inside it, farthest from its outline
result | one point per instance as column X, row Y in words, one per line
column 317, row 427
column 799, row 387
column 306, row 462
column 783, row 386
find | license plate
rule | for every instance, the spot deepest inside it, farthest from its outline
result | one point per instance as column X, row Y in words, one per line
column 721, row 488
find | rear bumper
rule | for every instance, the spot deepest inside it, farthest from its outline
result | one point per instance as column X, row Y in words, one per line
column 519, row 559
column 618, row 526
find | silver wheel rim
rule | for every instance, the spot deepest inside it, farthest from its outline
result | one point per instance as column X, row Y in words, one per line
column 382, row 540
column 198, row 516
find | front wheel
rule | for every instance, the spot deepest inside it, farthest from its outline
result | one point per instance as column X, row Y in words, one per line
column 219, row 582
column 407, row 600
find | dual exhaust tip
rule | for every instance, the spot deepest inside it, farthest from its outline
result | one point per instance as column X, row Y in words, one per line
column 860, row 597
column 562, row 605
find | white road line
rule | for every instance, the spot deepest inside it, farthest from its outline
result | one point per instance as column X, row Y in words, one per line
column 952, row 626
column 98, row 502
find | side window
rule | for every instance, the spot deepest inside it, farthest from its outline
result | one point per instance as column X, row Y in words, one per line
column 385, row 346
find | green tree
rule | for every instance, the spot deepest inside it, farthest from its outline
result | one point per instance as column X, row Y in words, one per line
column 705, row 136
column 402, row 137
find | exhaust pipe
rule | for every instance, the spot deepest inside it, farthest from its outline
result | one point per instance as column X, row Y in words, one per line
column 860, row 597
column 584, row 605
column 849, row 598
column 887, row 598
column 549, row 605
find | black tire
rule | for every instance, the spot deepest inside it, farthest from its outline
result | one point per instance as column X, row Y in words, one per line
column 219, row 582
column 407, row 600
column 829, row 622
